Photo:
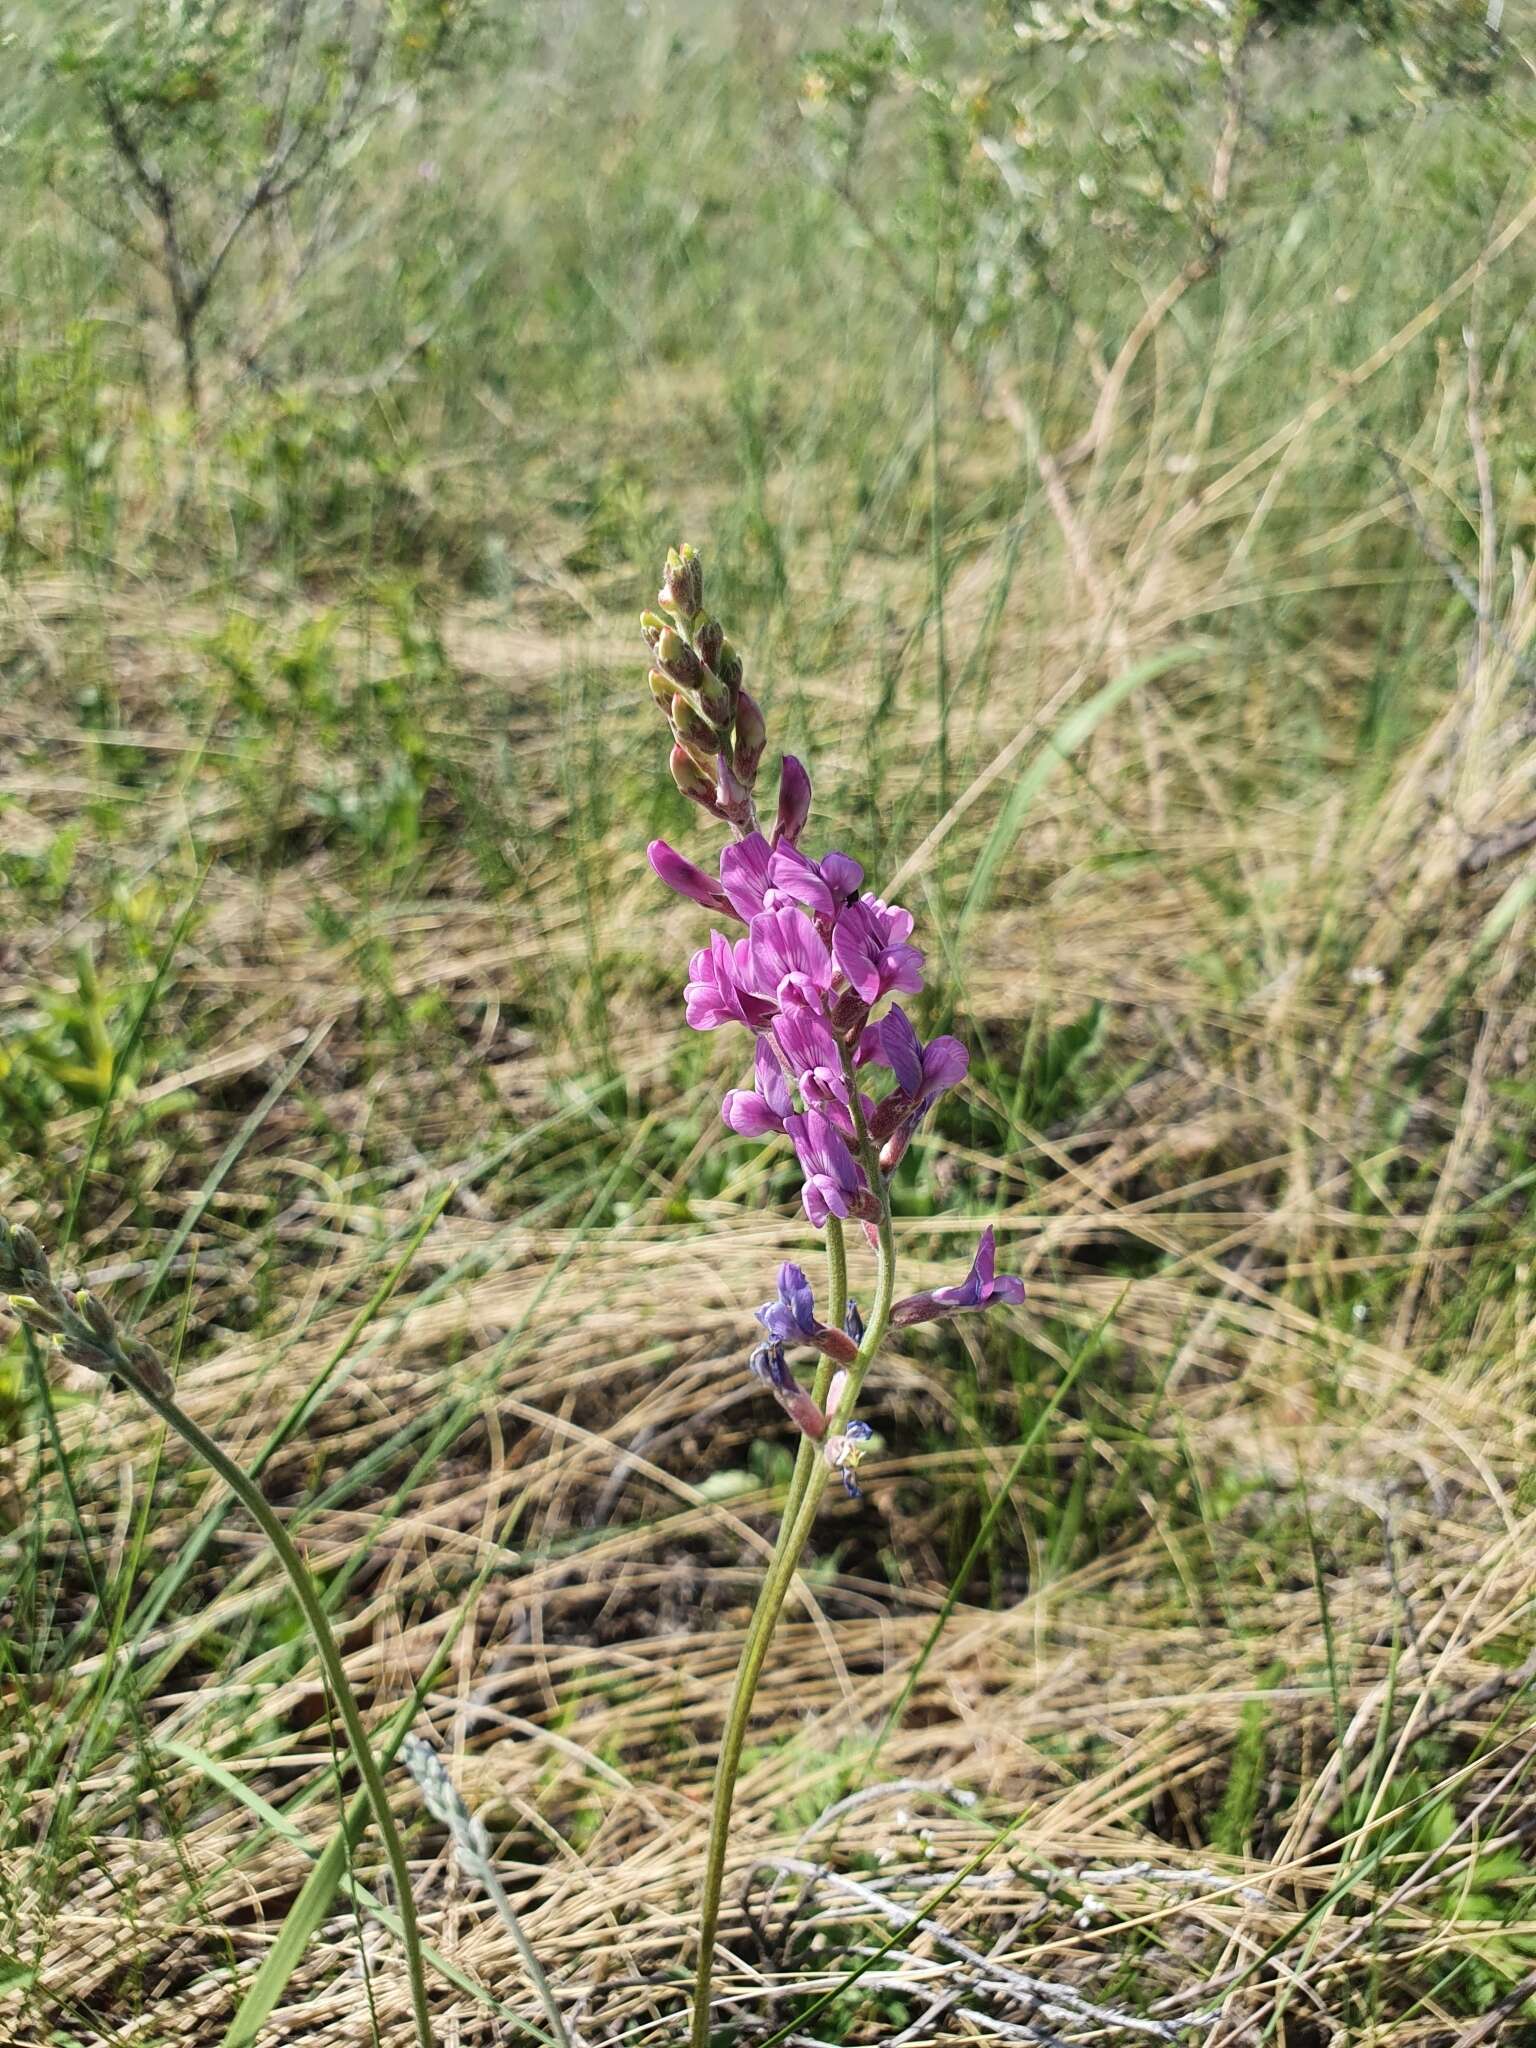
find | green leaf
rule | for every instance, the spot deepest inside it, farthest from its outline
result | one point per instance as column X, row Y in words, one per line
column 14, row 1972
column 280, row 1824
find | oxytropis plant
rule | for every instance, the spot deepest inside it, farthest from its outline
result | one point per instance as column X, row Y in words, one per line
column 809, row 966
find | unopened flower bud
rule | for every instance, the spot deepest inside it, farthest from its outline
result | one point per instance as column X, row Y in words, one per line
column 716, row 701
column 663, row 689
column 148, row 1368
column 728, row 667
column 35, row 1317
column 652, row 626
column 694, row 783
column 894, row 1150
column 682, row 586
column 794, row 801
column 92, row 1313
column 733, row 799
column 694, row 732
column 674, row 657
column 709, row 640
column 49, row 1298
column 30, row 1255
column 751, row 738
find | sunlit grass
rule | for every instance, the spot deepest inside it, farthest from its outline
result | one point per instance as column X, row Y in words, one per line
column 326, row 783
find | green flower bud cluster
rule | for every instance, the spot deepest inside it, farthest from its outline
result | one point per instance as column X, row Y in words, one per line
column 78, row 1325
column 717, row 730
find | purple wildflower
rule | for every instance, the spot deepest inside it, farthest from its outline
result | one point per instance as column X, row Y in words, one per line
column 893, row 1043
column 842, row 874
column 744, row 875
column 834, row 1184
column 788, row 958
column 923, row 1073
column 982, row 1287
column 845, row 1453
column 869, row 945
column 813, row 1055
column 794, row 801
column 757, row 1112
column 680, row 874
column 720, row 988
column 797, row 878
column 791, row 1318
column 772, row 1368
column 822, row 886
column 755, row 877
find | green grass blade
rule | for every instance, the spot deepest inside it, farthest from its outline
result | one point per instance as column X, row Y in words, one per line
column 1078, row 725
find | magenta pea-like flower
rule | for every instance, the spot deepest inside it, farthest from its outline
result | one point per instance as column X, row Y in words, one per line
column 923, row 1073
column 722, row 988
column 982, row 1287
column 744, row 875
column 834, row 1181
column 680, row 874
column 869, row 944
column 760, row 1112
column 794, row 802
column 812, row 1055
column 788, row 958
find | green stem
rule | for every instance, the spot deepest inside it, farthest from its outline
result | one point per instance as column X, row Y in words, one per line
column 249, row 1495
column 837, row 1274
column 810, row 1477
column 837, row 1303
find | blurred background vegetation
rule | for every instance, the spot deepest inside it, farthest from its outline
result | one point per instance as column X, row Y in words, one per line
column 1108, row 431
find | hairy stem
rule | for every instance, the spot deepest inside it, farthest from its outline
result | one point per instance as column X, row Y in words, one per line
column 810, row 1478
column 837, row 1303
column 249, row 1495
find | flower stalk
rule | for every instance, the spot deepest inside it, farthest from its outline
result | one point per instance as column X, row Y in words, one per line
column 819, row 959
column 794, row 1533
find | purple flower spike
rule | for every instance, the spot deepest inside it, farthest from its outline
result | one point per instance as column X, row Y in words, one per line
column 982, row 1287
column 788, row 958
column 720, row 988
column 759, row 1112
column 869, row 945
column 794, row 801
column 680, row 874
column 834, row 1186
column 813, row 1057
